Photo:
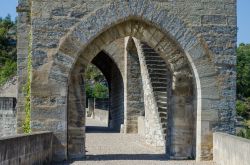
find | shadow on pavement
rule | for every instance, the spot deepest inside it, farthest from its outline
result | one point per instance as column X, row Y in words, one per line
column 98, row 129
column 126, row 157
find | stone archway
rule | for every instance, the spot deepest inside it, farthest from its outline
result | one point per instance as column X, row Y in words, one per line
column 116, row 88
column 146, row 22
column 153, row 35
column 169, row 100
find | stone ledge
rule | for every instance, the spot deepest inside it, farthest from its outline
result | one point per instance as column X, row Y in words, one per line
column 25, row 135
column 35, row 148
column 230, row 150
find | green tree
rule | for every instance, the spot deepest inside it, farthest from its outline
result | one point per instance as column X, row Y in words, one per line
column 243, row 108
column 7, row 49
column 243, row 70
column 243, row 87
column 95, row 83
column 100, row 91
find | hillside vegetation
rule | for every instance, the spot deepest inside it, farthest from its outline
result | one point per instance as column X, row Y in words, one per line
column 243, row 87
column 8, row 55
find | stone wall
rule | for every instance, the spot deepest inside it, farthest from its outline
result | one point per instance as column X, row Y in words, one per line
column 153, row 130
column 115, row 50
column 102, row 104
column 68, row 34
column 109, row 66
column 35, row 148
column 134, row 101
column 7, row 116
column 9, row 89
column 102, row 108
column 230, row 150
column 23, row 40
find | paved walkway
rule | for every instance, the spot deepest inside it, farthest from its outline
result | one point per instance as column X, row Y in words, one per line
column 105, row 147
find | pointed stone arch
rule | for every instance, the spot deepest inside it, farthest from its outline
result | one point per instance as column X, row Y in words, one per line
column 147, row 22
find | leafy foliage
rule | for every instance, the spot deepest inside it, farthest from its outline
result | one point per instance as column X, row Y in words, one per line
column 244, row 133
column 243, row 80
column 243, row 108
column 8, row 70
column 243, row 87
column 100, row 91
column 96, row 84
column 243, row 70
column 7, row 49
column 27, row 91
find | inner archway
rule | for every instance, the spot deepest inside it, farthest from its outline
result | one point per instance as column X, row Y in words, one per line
column 166, row 49
column 159, row 37
column 175, row 120
column 116, row 90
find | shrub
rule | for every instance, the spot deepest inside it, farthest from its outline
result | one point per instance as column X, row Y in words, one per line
column 8, row 70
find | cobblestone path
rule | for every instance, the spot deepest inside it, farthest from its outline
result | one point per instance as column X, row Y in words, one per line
column 105, row 147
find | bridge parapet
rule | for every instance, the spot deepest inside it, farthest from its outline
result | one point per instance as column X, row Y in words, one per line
column 33, row 148
column 230, row 150
column 7, row 116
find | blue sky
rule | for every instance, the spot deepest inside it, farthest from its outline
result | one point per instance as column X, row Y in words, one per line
column 9, row 7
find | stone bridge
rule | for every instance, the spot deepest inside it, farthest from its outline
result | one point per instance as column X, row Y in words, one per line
column 170, row 64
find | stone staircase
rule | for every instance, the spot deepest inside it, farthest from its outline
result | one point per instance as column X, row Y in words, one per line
column 159, row 76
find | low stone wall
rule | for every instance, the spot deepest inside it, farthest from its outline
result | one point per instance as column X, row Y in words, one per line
column 101, row 111
column 9, row 89
column 34, row 148
column 102, row 104
column 7, row 116
column 230, row 150
column 141, row 126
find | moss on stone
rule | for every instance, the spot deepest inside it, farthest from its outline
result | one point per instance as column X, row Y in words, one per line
column 27, row 90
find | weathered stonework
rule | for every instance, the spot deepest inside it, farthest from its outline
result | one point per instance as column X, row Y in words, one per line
column 35, row 148
column 7, row 116
column 67, row 35
column 134, row 106
column 113, row 75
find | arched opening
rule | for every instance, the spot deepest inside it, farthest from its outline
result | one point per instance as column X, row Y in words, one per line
column 169, row 123
column 86, row 40
column 168, row 92
column 105, row 143
column 175, row 123
column 116, row 90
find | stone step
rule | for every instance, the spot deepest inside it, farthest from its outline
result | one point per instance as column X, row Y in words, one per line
column 156, row 62
column 162, row 114
column 162, row 109
column 150, row 52
column 164, row 129
column 159, row 66
column 153, row 57
column 159, row 89
column 157, row 71
column 162, row 103
column 158, row 79
column 162, row 99
column 163, row 119
column 159, row 84
column 159, row 93
column 164, row 125
column 157, row 75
